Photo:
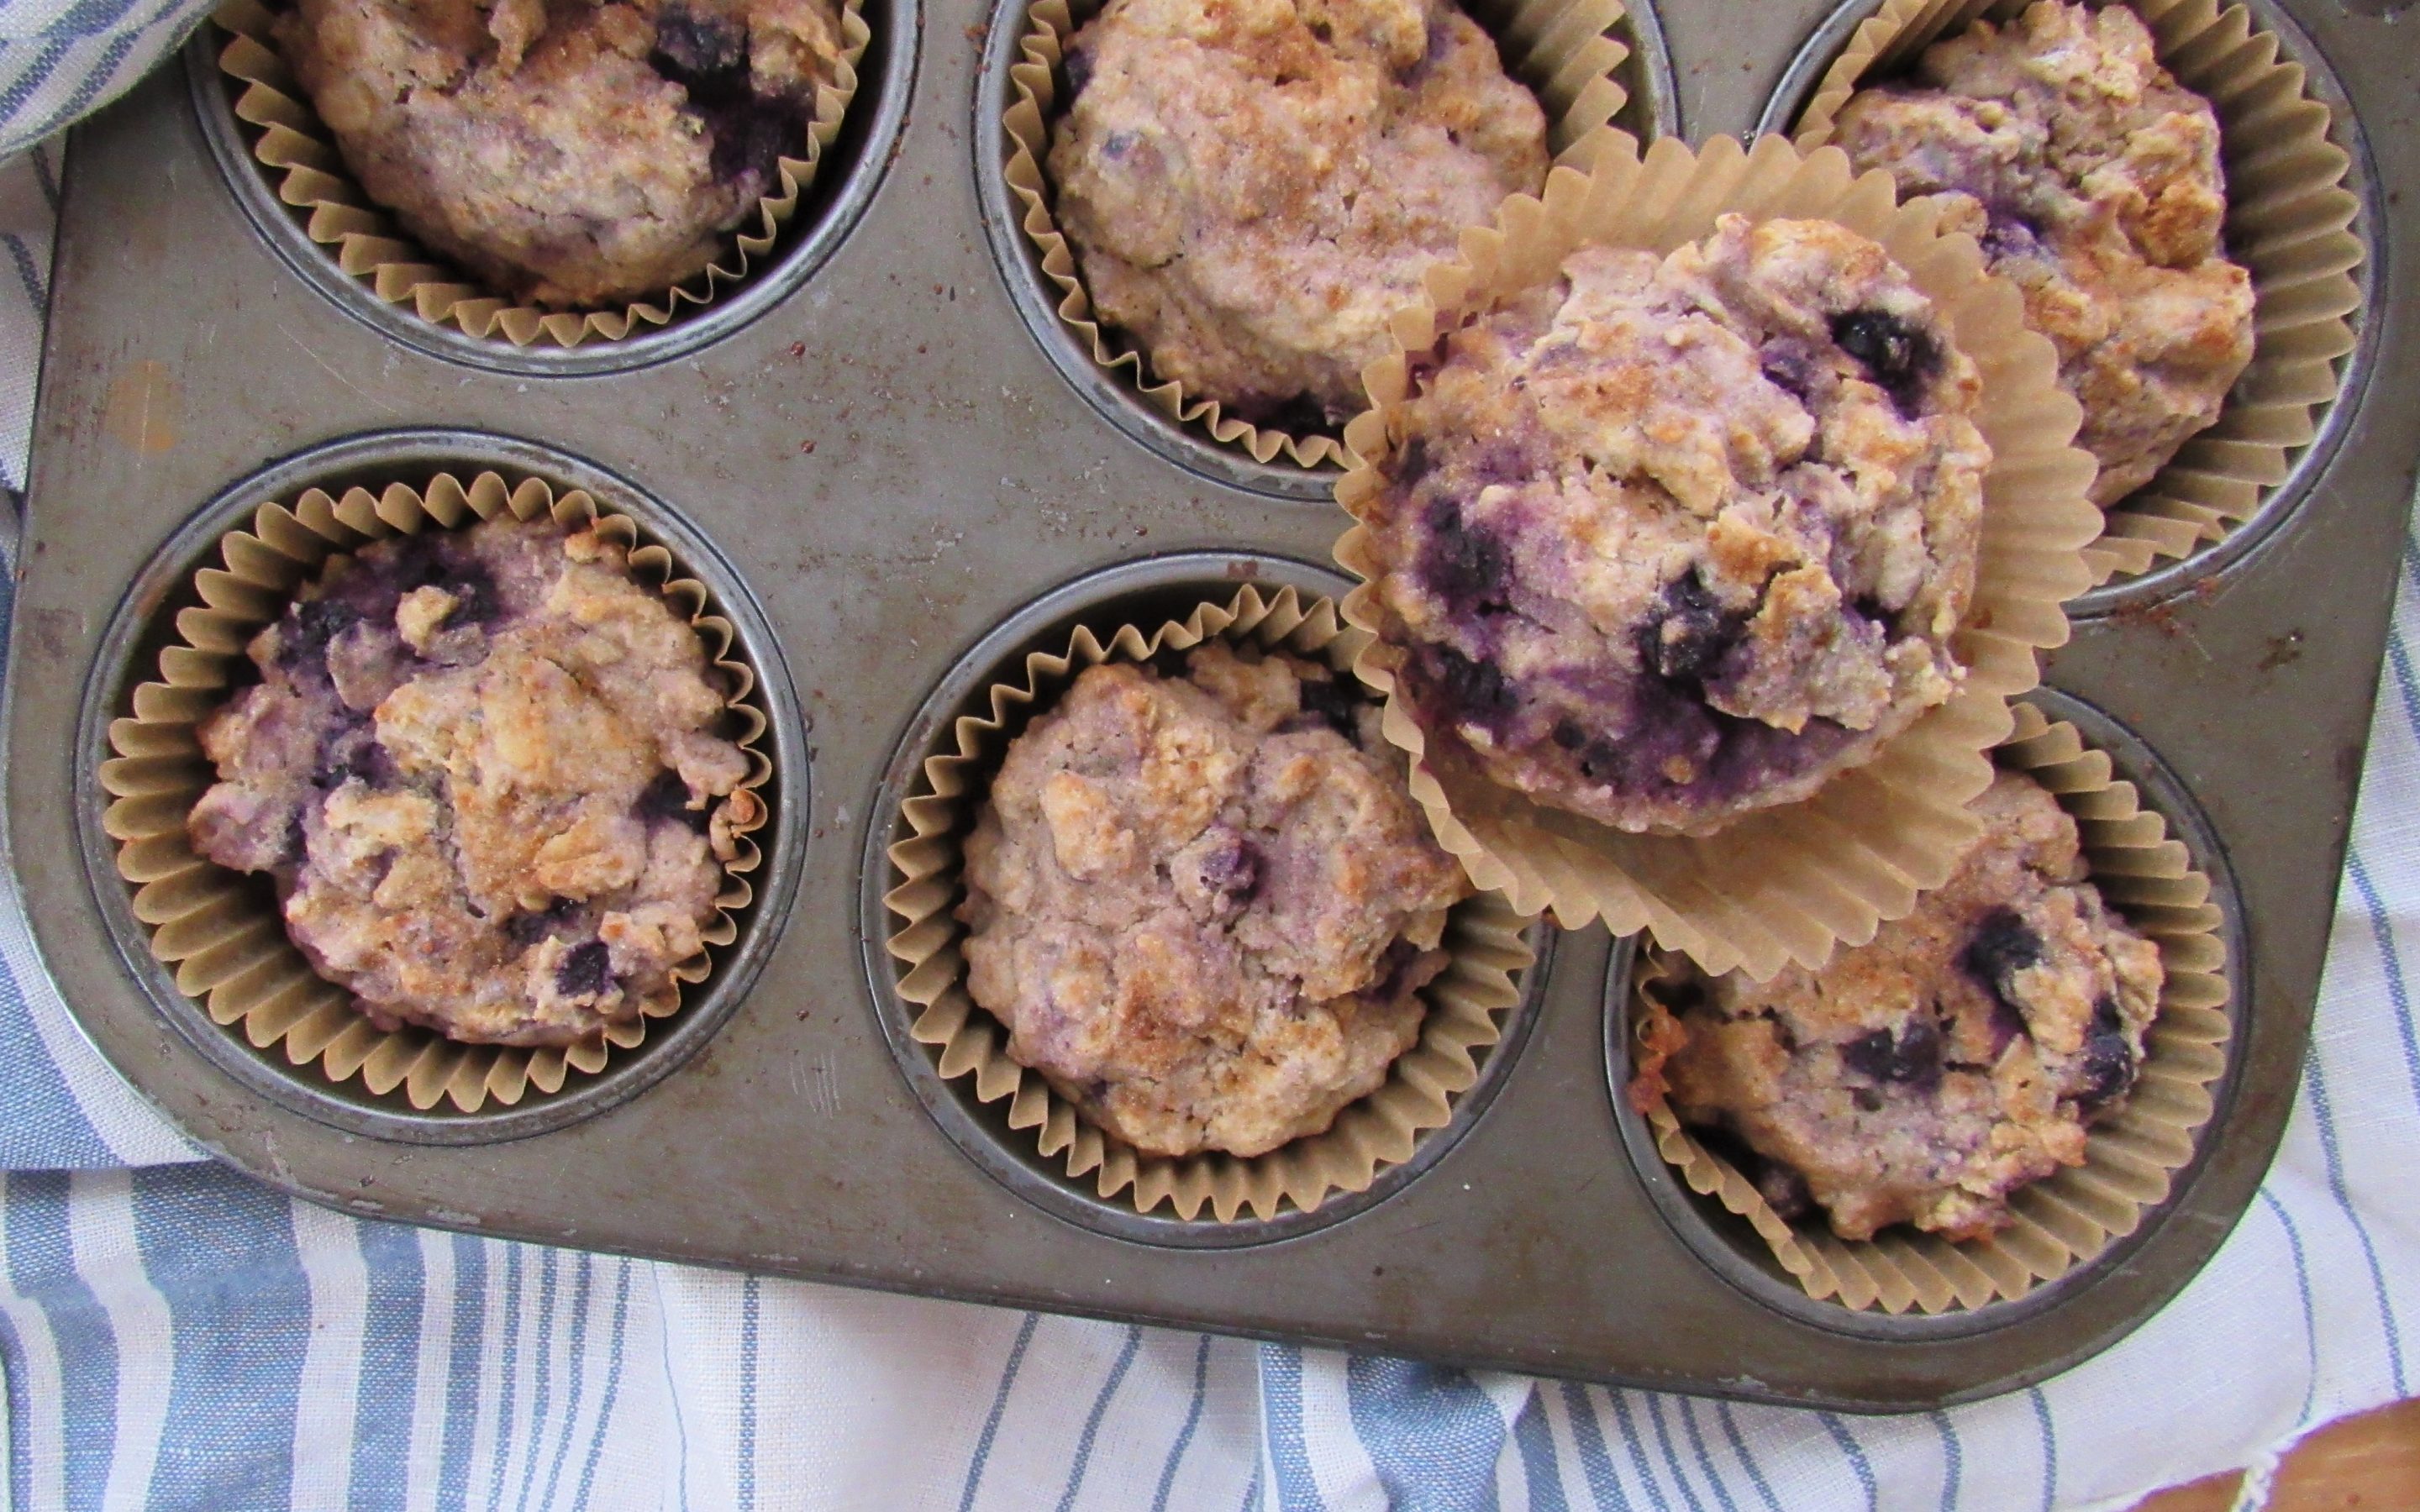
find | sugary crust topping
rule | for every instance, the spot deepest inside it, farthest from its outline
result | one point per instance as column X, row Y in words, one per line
column 1925, row 1076
column 1669, row 541
column 1253, row 186
column 481, row 766
column 1203, row 910
column 2092, row 180
column 572, row 154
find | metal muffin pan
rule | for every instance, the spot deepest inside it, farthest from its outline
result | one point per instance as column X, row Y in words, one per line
column 895, row 467
column 1724, row 1239
column 1145, row 593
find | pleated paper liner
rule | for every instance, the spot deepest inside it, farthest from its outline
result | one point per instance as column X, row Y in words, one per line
column 2289, row 220
column 2129, row 1160
column 223, row 931
column 299, row 154
column 1563, row 51
column 1785, row 884
column 1466, row 1004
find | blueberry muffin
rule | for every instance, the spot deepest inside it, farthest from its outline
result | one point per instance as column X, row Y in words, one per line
column 481, row 766
column 1252, row 188
column 1665, row 541
column 573, row 153
column 1923, row 1078
column 2092, row 180
column 1204, row 905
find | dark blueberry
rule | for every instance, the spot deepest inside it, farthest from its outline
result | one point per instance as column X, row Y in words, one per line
column 667, row 797
column 2010, row 233
column 1078, row 67
column 584, row 971
column 1568, row 734
column 1606, row 762
column 2105, row 1017
column 1465, row 690
column 2003, row 945
column 364, row 760
column 1413, row 463
column 707, row 57
column 699, row 51
column 1784, row 1190
column 749, row 138
column 1691, row 633
column 1333, row 703
column 1115, row 146
column 1866, row 1099
column 1465, row 566
column 525, row 930
column 1873, row 611
column 310, row 626
column 1300, row 415
column 2106, row 1071
column 476, row 599
column 1914, row 1059
column 1901, row 358
column 1233, row 869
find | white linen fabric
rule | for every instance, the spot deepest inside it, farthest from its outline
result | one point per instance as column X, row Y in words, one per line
column 174, row 1335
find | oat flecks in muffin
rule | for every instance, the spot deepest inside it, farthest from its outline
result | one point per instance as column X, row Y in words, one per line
column 1925, row 1077
column 1253, row 186
column 481, row 765
column 567, row 154
column 2092, row 180
column 1205, row 906
column 1666, row 542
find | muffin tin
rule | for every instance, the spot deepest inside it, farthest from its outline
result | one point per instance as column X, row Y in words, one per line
column 878, row 460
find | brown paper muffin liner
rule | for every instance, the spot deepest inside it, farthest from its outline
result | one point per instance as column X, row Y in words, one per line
column 222, row 930
column 2129, row 1160
column 2289, row 220
column 294, row 149
column 1784, row 884
column 1485, row 937
column 1563, row 50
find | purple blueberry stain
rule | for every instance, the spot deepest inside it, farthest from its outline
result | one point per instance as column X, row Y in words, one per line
column 1466, row 691
column 1467, row 567
column 1232, row 869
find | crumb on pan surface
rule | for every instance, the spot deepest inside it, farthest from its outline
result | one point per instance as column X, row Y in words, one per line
column 1204, row 904
column 1925, row 1077
column 1667, row 541
column 481, row 766
column 574, row 153
column 1253, row 186
column 2092, row 180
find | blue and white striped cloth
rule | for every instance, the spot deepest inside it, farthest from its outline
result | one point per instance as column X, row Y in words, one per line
column 174, row 1335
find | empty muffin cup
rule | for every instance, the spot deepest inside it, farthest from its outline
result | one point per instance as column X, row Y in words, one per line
column 295, row 150
column 1571, row 55
column 2130, row 1159
column 1782, row 883
column 2291, row 220
column 1488, row 954
column 224, row 934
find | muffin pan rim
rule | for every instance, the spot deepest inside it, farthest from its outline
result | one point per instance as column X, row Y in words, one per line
column 2283, row 504
column 1747, row 1267
column 835, row 208
column 122, row 663
column 1109, row 396
column 1012, row 1160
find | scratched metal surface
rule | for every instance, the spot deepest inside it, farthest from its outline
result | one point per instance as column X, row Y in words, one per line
column 893, row 467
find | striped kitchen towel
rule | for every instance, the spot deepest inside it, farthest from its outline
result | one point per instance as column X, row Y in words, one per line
column 172, row 1335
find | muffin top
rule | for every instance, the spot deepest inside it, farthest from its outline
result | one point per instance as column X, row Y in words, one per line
column 1665, row 541
column 1253, row 186
column 567, row 153
column 1924, row 1077
column 1204, row 905
column 481, row 766
column 2092, row 180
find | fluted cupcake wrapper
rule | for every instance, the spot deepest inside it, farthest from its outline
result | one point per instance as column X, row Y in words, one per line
column 299, row 154
column 2289, row 221
column 1783, row 884
column 223, row 931
column 2129, row 1160
column 1466, row 1003
column 1563, row 51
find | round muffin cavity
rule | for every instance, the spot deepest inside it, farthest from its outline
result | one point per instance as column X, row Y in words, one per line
column 2091, row 179
column 1251, row 189
column 481, row 766
column 1923, row 1078
column 1204, row 905
column 569, row 154
column 1667, row 541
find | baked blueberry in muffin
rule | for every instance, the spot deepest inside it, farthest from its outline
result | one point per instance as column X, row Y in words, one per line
column 1204, row 904
column 1252, row 188
column 1667, row 541
column 1924, row 1077
column 2092, row 180
column 568, row 153
column 482, row 767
